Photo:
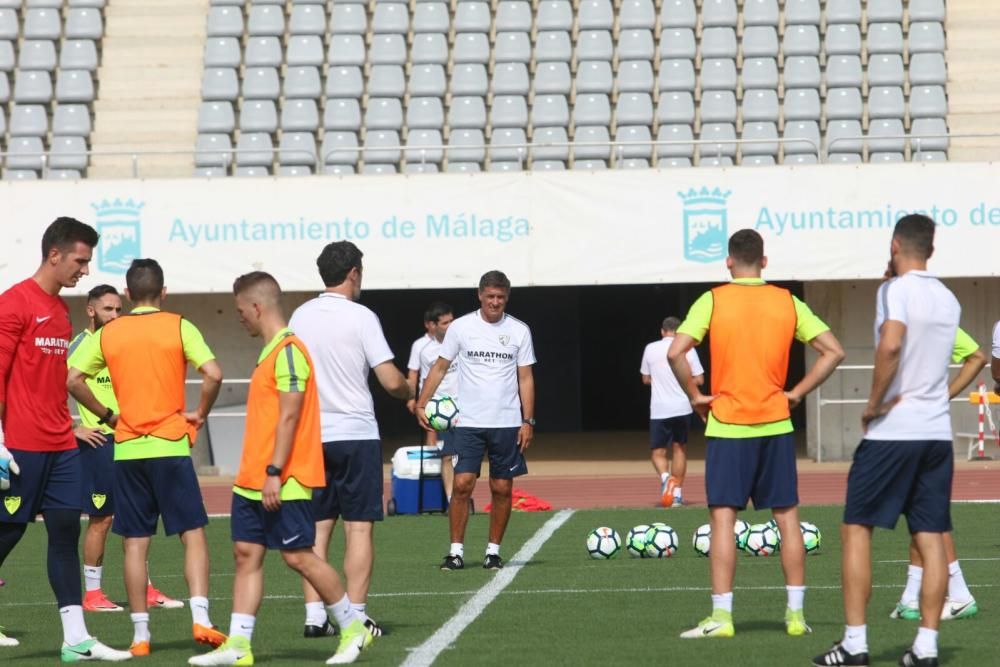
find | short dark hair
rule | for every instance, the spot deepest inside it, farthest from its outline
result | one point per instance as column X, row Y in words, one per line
column 144, row 279
column 915, row 233
column 670, row 323
column 436, row 310
column 101, row 290
column 337, row 260
column 746, row 247
column 494, row 279
column 254, row 279
column 64, row 232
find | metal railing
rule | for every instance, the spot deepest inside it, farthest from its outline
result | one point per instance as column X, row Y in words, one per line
column 915, row 138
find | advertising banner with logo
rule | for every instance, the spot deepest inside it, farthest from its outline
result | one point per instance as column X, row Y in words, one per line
column 542, row 228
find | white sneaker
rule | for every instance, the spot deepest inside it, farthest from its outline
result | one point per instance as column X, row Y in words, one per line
column 91, row 649
column 7, row 642
column 353, row 639
column 955, row 610
column 236, row 651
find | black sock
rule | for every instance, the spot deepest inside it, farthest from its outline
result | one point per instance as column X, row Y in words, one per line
column 10, row 535
column 63, row 527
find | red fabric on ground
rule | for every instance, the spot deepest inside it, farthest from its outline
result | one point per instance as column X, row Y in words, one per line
column 524, row 502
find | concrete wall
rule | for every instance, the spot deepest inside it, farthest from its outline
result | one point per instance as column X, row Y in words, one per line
column 849, row 308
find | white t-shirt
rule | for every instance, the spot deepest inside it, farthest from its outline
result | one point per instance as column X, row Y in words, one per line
column 996, row 340
column 345, row 341
column 418, row 345
column 449, row 384
column 667, row 398
column 489, row 356
column 931, row 314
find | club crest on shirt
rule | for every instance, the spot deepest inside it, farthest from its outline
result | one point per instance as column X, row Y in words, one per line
column 504, row 340
column 12, row 503
column 98, row 499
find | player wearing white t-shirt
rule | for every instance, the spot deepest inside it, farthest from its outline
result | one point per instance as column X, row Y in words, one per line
column 669, row 412
column 995, row 360
column 904, row 464
column 345, row 341
column 413, row 364
column 496, row 412
column 439, row 317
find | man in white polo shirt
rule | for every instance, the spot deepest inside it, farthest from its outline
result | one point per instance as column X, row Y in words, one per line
column 669, row 412
column 904, row 464
column 345, row 341
column 496, row 412
column 439, row 317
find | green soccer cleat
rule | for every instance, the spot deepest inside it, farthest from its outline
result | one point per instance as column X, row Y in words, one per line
column 795, row 623
column 91, row 649
column 906, row 612
column 353, row 640
column 234, row 651
column 953, row 611
column 719, row 624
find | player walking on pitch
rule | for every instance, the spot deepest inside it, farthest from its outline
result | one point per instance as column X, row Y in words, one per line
column 669, row 412
column 905, row 462
column 345, row 341
column 40, row 466
column 281, row 464
column 497, row 411
column 751, row 446
column 439, row 317
column 146, row 353
column 96, row 442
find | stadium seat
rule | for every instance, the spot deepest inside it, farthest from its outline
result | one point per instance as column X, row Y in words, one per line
column 928, row 102
column 213, row 117
column 213, row 150
column 346, row 50
column 293, row 170
column 466, row 146
column 382, row 147
column 28, row 120
column 927, row 69
column 551, row 78
column 71, row 119
column 760, row 42
column 74, row 86
column 843, row 39
column 472, row 47
column 514, row 138
column 674, row 133
column 927, row 10
column 299, row 116
column 4, row 91
column 471, row 79
column 68, row 153
column 599, row 140
column 6, row 56
column 801, row 159
column 634, row 109
column 343, row 114
column 843, row 136
column 758, row 161
column 636, row 145
column 632, row 163
column 930, row 156
column 509, row 111
column 553, row 45
column 677, row 43
column 763, row 73
column 595, row 15
column 42, row 24
column 225, row 22
column 721, row 13
column 263, row 52
column 425, row 113
column 761, row 12
column 637, row 15
column 886, row 102
column 37, row 54
column 472, row 16
column 885, row 157
column 32, row 87
column 252, row 171
column 676, row 108
column 378, row 169
column 550, row 111
column 387, row 50
column 431, row 17
column 554, row 15
column 420, row 168
column 513, row 16
column 463, row 167
column 338, row 148
column 427, row 81
column 84, row 23
column 548, row 165
column 720, row 133
column 345, row 82
column 297, row 149
column 220, row 83
column 429, row 49
column 886, row 70
column 718, row 106
column 307, row 20
column 718, row 43
column 305, row 51
column 339, row 170
column 512, row 47
column 885, row 38
column 807, row 132
column 78, row 54
column 594, row 76
column 265, row 20
column 802, row 104
column 543, row 138
column 348, row 19
column 891, row 132
column 590, row 165
column 63, row 174
column 928, row 134
column 592, row 109
column 636, row 45
column 391, row 18
column 261, row 83
column 222, row 52
column 10, row 27
column 634, row 76
column 801, row 40
column 844, row 72
column 926, row 37
column 885, row 11
column 759, row 131
column 843, row 11
column 259, row 116
column 387, row 81
column 679, row 14
column 760, row 106
column 676, row 74
column 467, row 113
column 718, row 74
column 844, row 104
column 594, row 45
column 20, row 174
column 802, row 12
column 428, row 144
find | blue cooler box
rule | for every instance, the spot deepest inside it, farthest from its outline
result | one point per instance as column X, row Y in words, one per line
column 407, row 481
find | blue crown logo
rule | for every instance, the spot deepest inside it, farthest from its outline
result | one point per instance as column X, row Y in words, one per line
column 119, row 224
column 705, row 224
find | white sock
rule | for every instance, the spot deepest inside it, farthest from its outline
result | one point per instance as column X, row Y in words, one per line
column 359, row 610
column 925, row 645
column 796, row 597
column 855, row 639
column 342, row 612
column 958, row 591
column 74, row 628
column 241, row 625
column 457, row 549
column 92, row 577
column 723, row 601
column 140, row 627
column 677, row 492
column 492, row 549
column 315, row 613
column 199, row 611
column 663, row 477
column 911, row 594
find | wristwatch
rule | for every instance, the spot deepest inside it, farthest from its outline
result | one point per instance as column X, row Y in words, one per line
column 530, row 421
column 107, row 417
column 273, row 471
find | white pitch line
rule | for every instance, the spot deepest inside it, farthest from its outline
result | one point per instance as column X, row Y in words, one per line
column 961, row 560
column 425, row 654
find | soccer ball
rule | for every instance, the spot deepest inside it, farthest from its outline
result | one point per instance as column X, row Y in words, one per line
column 661, row 541
column 774, row 524
column 635, row 541
column 442, row 413
column 810, row 536
column 762, row 540
column 702, row 539
column 742, row 530
column 603, row 543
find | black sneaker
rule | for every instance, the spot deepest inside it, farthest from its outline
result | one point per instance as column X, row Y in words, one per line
column 452, row 562
column 838, row 656
column 328, row 629
column 492, row 562
column 373, row 628
column 910, row 659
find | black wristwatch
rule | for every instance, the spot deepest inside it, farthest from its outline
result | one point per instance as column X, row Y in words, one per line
column 107, row 417
column 530, row 421
column 273, row 471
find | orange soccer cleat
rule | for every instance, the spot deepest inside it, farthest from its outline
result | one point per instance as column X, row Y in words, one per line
column 96, row 600
column 139, row 649
column 155, row 599
column 209, row 635
column 667, row 499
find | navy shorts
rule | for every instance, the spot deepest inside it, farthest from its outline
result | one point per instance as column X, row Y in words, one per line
column 147, row 489
column 293, row 526
column 98, row 477
column 48, row 481
column 758, row 469
column 506, row 459
column 665, row 432
column 353, row 488
column 891, row 477
column 447, row 438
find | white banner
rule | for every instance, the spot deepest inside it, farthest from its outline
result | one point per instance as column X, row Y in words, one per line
column 542, row 228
